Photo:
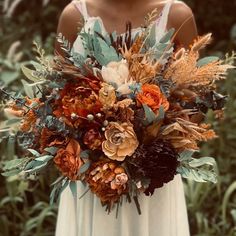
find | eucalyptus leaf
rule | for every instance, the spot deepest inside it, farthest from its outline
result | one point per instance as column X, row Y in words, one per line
column 15, row 163
column 186, row 155
column 29, row 74
column 45, row 158
column 151, row 39
column 34, row 152
column 64, row 186
column 167, row 37
column 28, row 89
column 7, row 77
column 202, row 161
column 51, row 150
column 198, row 174
column 38, row 166
column 84, row 154
column 73, row 188
column 11, row 172
column 84, row 167
column 108, row 52
column 206, row 60
column 150, row 115
column 97, row 27
column 161, row 114
column 58, row 180
column 13, row 121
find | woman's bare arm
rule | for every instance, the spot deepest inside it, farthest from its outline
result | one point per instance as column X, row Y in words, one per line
column 68, row 25
column 182, row 19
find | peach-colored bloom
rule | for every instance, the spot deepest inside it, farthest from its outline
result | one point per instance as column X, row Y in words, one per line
column 68, row 160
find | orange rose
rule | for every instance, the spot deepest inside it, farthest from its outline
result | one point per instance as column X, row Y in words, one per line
column 68, row 160
column 151, row 96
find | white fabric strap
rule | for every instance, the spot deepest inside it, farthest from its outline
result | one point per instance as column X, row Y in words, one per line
column 162, row 21
column 81, row 6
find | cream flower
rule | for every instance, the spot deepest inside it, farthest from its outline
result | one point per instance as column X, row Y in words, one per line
column 120, row 180
column 121, row 141
column 117, row 74
column 107, row 96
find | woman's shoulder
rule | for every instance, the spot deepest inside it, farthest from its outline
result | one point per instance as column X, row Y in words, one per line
column 180, row 12
column 71, row 13
column 69, row 24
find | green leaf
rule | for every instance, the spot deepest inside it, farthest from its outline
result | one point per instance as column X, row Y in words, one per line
column 36, row 167
column 161, row 114
column 150, row 115
column 202, row 161
column 73, row 188
column 28, row 89
column 11, row 173
column 45, row 158
column 30, row 74
column 186, row 155
column 13, row 121
column 58, row 180
column 51, row 150
column 13, row 164
column 85, row 154
column 97, row 27
column 167, row 37
column 151, row 40
column 84, row 167
column 198, row 175
column 34, row 152
column 229, row 192
column 58, row 187
column 8, row 76
column 206, row 60
column 108, row 53
column 64, row 186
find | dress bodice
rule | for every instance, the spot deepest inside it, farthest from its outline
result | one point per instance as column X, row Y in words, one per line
column 91, row 21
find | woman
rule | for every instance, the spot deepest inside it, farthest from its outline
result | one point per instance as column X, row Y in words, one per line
column 163, row 214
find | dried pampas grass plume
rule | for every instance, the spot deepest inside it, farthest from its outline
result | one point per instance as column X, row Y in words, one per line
column 201, row 42
column 179, row 54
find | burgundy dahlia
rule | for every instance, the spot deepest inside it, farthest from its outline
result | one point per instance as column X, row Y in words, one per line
column 156, row 161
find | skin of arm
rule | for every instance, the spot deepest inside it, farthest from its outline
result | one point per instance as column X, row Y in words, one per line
column 181, row 18
column 69, row 25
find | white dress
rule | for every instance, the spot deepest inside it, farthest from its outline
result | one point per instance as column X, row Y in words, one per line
column 163, row 214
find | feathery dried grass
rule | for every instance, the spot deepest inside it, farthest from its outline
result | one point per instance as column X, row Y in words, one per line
column 184, row 134
column 183, row 69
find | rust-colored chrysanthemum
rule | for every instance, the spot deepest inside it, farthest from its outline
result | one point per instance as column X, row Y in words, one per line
column 51, row 138
column 151, row 96
column 68, row 160
column 93, row 139
column 108, row 181
column 76, row 103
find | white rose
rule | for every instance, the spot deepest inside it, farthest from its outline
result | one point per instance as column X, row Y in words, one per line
column 117, row 73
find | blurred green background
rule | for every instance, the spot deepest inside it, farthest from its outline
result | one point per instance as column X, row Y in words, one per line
column 24, row 207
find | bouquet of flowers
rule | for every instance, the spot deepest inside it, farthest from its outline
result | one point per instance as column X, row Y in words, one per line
column 125, row 116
